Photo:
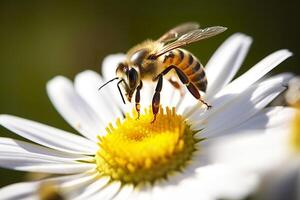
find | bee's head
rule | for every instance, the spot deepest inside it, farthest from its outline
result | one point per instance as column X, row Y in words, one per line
column 129, row 79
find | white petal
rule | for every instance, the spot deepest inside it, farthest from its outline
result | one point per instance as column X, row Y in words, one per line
column 167, row 94
column 188, row 103
column 147, row 93
column 177, row 98
column 48, row 136
column 29, row 190
column 226, row 182
column 93, row 188
column 225, row 62
column 41, row 165
column 212, row 182
column 207, row 183
column 15, row 148
column 108, row 192
column 242, row 107
column 143, row 191
column 72, row 185
column 255, row 73
column 272, row 117
column 76, row 188
column 125, row 192
column 110, row 64
column 103, row 102
column 168, row 189
column 20, row 191
column 247, row 79
column 256, row 151
column 76, row 181
column 73, row 108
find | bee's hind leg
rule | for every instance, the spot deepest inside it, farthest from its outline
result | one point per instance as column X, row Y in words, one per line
column 138, row 98
column 205, row 103
column 195, row 92
column 185, row 80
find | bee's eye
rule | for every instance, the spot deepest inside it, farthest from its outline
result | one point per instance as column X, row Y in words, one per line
column 138, row 57
column 132, row 77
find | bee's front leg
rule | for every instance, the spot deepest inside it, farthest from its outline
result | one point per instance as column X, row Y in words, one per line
column 138, row 98
column 156, row 97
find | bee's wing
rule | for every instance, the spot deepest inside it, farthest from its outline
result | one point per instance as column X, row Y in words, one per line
column 190, row 37
column 178, row 31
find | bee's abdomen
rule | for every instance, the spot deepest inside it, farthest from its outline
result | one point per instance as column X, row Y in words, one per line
column 189, row 64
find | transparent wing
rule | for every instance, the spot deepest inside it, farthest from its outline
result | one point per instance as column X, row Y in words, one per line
column 178, row 31
column 191, row 37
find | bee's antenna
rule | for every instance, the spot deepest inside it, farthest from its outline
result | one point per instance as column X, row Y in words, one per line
column 121, row 91
column 108, row 82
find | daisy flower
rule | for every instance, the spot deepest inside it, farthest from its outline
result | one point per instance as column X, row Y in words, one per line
column 119, row 157
column 273, row 153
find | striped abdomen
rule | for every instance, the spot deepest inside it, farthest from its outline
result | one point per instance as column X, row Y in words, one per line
column 189, row 64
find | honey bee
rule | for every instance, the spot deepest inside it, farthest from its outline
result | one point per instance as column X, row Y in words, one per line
column 154, row 59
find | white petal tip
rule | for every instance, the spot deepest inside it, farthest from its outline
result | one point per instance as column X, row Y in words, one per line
column 248, row 39
column 112, row 59
column 281, row 55
column 243, row 37
column 3, row 118
column 6, row 117
column 57, row 80
column 287, row 52
column 86, row 74
column 7, row 120
column 284, row 53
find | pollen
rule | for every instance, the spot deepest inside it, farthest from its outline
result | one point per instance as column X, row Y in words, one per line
column 136, row 150
column 295, row 137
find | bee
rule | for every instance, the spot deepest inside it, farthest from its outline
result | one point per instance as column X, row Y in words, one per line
column 154, row 59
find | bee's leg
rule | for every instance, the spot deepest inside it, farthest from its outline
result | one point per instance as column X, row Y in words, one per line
column 190, row 86
column 195, row 92
column 137, row 99
column 156, row 97
column 181, row 75
column 177, row 86
column 185, row 80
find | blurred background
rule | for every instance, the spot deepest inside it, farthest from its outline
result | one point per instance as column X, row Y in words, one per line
column 42, row 39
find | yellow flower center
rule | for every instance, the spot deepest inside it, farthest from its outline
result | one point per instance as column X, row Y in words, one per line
column 136, row 150
column 295, row 137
